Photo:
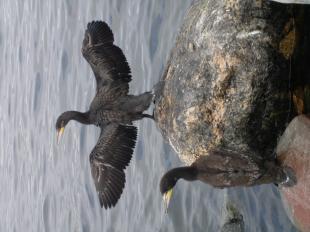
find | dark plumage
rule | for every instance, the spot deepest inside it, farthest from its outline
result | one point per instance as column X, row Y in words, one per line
column 223, row 168
column 112, row 109
column 109, row 158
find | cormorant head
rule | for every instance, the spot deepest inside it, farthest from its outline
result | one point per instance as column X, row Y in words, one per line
column 62, row 121
column 167, row 183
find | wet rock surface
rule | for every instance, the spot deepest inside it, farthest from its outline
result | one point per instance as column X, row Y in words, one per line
column 225, row 84
column 294, row 151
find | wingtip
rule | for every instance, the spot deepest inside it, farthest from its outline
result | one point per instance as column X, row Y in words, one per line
column 102, row 205
column 97, row 23
column 113, row 190
column 100, row 32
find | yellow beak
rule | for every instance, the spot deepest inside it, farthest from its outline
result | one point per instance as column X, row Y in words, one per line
column 167, row 196
column 59, row 133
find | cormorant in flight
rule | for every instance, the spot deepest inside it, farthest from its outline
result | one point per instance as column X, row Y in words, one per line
column 112, row 109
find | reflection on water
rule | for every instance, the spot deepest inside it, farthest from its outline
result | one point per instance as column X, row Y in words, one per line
column 45, row 187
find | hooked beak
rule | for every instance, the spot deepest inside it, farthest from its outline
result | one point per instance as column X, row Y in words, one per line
column 166, row 197
column 59, row 133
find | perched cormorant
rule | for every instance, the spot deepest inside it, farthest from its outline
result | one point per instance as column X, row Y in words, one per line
column 112, row 109
column 224, row 168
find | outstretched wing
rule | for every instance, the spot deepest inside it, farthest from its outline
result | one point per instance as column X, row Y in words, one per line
column 108, row 160
column 107, row 60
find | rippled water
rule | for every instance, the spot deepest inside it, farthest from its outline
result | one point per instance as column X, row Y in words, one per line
column 45, row 187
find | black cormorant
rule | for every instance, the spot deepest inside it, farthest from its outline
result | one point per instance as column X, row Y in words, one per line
column 112, row 109
column 224, row 168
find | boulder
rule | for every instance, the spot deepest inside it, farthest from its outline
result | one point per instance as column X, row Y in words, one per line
column 294, row 151
column 226, row 82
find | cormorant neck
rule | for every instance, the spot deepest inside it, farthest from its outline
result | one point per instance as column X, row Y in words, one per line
column 186, row 173
column 80, row 117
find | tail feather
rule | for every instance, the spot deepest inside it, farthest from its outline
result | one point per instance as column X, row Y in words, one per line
column 138, row 104
column 145, row 101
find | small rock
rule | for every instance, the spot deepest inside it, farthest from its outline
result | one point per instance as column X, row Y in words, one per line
column 294, row 151
column 191, row 47
column 234, row 221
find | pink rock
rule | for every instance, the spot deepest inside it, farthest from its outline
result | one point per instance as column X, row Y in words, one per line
column 294, row 151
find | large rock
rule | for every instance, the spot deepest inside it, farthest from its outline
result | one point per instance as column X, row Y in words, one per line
column 294, row 151
column 225, row 84
column 293, row 1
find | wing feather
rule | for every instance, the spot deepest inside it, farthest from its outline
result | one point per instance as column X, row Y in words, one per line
column 108, row 62
column 108, row 160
